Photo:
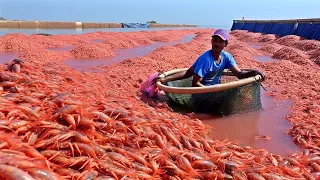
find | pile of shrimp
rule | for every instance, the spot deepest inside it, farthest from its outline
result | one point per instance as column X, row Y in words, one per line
column 47, row 133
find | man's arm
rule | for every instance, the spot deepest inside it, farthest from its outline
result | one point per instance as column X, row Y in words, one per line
column 241, row 74
column 181, row 75
column 196, row 81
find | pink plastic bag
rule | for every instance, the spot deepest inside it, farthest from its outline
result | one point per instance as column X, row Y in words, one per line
column 148, row 89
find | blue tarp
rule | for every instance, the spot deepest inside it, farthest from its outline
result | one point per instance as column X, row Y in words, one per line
column 236, row 26
column 306, row 30
column 283, row 29
column 266, row 28
column 135, row 25
column 316, row 32
column 248, row 26
column 258, row 27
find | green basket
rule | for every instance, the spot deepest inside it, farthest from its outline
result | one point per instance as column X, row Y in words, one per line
column 243, row 99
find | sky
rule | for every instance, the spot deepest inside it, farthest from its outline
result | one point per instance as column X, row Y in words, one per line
column 198, row 12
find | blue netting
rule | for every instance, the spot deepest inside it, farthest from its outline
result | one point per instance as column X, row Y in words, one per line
column 266, row 28
column 248, row 26
column 316, row 32
column 135, row 25
column 236, row 26
column 306, row 30
column 258, row 27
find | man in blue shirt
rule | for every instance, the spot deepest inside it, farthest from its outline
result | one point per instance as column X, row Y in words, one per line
column 208, row 68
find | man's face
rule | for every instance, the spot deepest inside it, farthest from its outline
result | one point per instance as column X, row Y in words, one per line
column 217, row 44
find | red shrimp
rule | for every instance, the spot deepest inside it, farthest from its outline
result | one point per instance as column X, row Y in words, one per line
column 13, row 173
column 85, row 122
column 114, row 170
column 90, row 174
column 135, row 156
column 173, row 169
column 184, row 164
column 204, row 164
column 87, row 149
column 139, row 167
column 67, row 109
column 103, row 117
column 43, row 174
column 70, row 120
column 29, row 112
column 22, row 163
column 255, row 176
column 186, row 143
column 171, row 137
column 119, row 157
column 195, row 143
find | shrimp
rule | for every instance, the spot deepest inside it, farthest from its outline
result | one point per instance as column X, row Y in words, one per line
column 22, row 163
column 139, row 167
column 204, row 164
column 29, row 112
column 43, row 174
column 87, row 149
column 184, row 164
column 87, row 175
column 13, row 173
column 171, row 137
column 118, row 157
column 186, row 143
column 255, row 176
column 67, row 109
column 173, row 169
column 105, row 118
column 71, row 121
column 7, row 84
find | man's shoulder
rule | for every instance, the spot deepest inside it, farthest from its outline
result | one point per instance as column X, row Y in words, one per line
column 226, row 53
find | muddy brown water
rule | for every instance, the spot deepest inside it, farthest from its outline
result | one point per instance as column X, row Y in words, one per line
column 247, row 128
column 263, row 58
column 121, row 54
column 67, row 48
column 7, row 57
column 255, row 45
column 260, row 58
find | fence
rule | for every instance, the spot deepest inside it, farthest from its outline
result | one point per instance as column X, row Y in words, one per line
column 52, row 24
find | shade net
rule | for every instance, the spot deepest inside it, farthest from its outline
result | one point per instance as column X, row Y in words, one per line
column 243, row 99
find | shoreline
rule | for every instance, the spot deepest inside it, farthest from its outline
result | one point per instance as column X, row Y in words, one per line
column 83, row 25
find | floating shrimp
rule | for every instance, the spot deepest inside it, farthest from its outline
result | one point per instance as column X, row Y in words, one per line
column 264, row 137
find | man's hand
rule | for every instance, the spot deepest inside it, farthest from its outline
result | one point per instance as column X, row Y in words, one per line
column 256, row 72
column 162, row 80
column 251, row 73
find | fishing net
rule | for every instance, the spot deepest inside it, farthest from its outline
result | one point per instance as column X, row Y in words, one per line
column 239, row 100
